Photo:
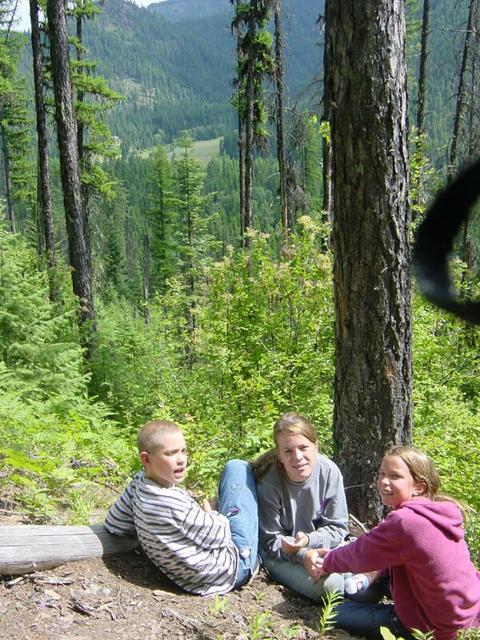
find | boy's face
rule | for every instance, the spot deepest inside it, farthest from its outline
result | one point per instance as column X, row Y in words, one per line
column 167, row 465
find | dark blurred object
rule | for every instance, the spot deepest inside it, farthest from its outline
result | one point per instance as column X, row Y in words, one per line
column 434, row 243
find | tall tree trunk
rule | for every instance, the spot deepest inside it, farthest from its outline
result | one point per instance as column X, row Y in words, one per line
column 418, row 191
column 67, row 143
column 327, row 196
column 249, row 125
column 373, row 370
column 241, row 176
column 81, row 129
column 422, row 73
column 237, row 29
column 462, row 91
column 280, row 117
column 146, row 278
column 8, row 182
column 44, row 193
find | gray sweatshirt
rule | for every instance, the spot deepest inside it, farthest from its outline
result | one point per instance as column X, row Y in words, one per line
column 316, row 506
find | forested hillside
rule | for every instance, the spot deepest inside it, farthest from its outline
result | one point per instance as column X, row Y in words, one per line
column 175, row 67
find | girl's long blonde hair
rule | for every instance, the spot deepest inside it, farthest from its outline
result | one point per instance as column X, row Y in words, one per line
column 291, row 423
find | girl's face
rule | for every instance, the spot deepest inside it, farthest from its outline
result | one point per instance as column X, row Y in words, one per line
column 395, row 482
column 297, row 454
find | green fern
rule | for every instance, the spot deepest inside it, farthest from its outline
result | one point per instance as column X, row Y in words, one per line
column 328, row 614
column 418, row 635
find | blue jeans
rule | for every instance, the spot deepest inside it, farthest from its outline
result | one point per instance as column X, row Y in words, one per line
column 364, row 619
column 295, row 576
column 364, row 615
column 237, row 500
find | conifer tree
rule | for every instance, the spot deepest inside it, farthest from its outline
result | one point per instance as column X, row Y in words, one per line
column 254, row 64
column 79, row 249
column 14, row 122
column 94, row 99
column 285, row 215
column 160, row 216
column 44, row 197
column 193, row 241
column 373, row 368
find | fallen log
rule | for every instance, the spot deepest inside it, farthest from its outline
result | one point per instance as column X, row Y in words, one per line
column 28, row 548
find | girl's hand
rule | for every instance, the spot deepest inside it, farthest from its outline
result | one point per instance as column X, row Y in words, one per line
column 292, row 544
column 313, row 564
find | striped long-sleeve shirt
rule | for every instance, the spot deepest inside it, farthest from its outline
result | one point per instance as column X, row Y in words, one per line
column 190, row 546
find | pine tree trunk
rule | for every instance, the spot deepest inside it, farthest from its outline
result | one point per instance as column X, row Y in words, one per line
column 373, row 371
column 327, row 204
column 249, row 125
column 280, row 119
column 241, row 132
column 422, row 74
column 462, row 87
column 241, row 176
column 8, row 183
column 44, row 193
column 146, row 278
column 69, row 167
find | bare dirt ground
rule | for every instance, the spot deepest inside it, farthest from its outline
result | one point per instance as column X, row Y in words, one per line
column 126, row 597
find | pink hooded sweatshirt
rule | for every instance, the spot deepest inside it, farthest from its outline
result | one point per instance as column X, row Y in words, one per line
column 434, row 584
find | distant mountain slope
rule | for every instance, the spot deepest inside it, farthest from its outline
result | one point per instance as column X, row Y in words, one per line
column 174, row 62
column 180, row 10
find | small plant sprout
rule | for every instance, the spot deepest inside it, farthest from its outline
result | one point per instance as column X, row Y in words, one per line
column 292, row 632
column 260, row 626
column 328, row 615
column 469, row 634
column 418, row 635
column 218, row 606
column 258, row 596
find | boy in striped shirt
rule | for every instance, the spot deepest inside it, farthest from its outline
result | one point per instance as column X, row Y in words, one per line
column 202, row 551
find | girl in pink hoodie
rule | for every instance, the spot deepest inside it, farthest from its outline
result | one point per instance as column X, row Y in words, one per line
column 421, row 546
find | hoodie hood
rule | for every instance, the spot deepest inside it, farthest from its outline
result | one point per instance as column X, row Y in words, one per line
column 444, row 515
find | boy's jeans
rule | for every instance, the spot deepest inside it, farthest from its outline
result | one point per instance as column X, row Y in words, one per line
column 237, row 500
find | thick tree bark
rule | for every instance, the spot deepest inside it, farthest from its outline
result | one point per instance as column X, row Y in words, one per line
column 373, row 374
column 67, row 143
column 280, row 117
column 44, row 193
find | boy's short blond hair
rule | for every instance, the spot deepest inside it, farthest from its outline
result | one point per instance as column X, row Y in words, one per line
column 151, row 434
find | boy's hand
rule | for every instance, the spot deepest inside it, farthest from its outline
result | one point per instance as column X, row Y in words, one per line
column 293, row 544
column 209, row 505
